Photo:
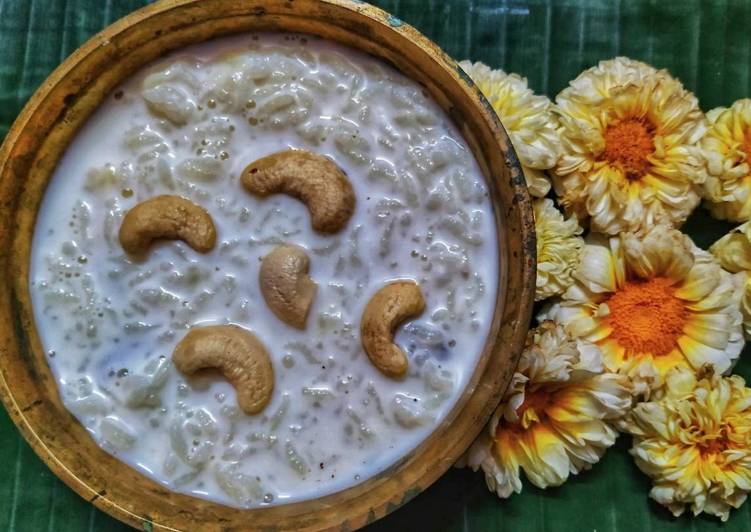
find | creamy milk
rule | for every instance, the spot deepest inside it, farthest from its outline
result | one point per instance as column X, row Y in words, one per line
column 188, row 125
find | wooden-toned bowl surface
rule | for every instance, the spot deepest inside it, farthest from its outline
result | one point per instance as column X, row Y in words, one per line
column 51, row 119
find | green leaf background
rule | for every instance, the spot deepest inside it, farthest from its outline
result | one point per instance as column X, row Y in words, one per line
column 705, row 43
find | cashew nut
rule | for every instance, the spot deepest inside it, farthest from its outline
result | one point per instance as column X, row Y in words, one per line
column 313, row 179
column 238, row 354
column 386, row 310
column 170, row 217
column 286, row 285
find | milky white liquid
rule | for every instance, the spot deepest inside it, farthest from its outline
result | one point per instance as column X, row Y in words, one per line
column 109, row 323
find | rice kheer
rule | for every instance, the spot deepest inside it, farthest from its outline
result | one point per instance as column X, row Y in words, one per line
column 187, row 126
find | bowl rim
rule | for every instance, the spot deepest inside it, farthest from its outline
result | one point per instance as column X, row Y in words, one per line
column 54, row 113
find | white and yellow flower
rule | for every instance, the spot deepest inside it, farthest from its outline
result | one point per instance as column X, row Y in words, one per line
column 734, row 253
column 630, row 159
column 527, row 118
column 558, row 249
column 694, row 442
column 727, row 150
column 652, row 303
column 556, row 417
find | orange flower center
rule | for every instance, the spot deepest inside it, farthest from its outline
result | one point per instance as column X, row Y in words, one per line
column 746, row 145
column 628, row 145
column 536, row 401
column 646, row 317
column 714, row 444
column 712, row 447
column 531, row 411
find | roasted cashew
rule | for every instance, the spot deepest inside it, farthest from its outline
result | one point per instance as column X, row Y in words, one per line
column 238, row 354
column 286, row 285
column 386, row 310
column 311, row 178
column 170, row 217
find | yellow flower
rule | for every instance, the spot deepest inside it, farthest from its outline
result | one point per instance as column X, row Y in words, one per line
column 629, row 135
column 555, row 418
column 694, row 441
column 652, row 303
column 727, row 148
column 527, row 118
column 734, row 253
column 558, row 249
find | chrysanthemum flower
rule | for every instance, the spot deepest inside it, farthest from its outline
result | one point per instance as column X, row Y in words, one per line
column 652, row 303
column 694, row 441
column 558, row 249
column 734, row 253
column 727, row 150
column 527, row 118
column 556, row 416
column 629, row 135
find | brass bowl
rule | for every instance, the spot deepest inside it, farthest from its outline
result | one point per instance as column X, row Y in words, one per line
column 52, row 118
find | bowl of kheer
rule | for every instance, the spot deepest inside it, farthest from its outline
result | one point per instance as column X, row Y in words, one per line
column 267, row 265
